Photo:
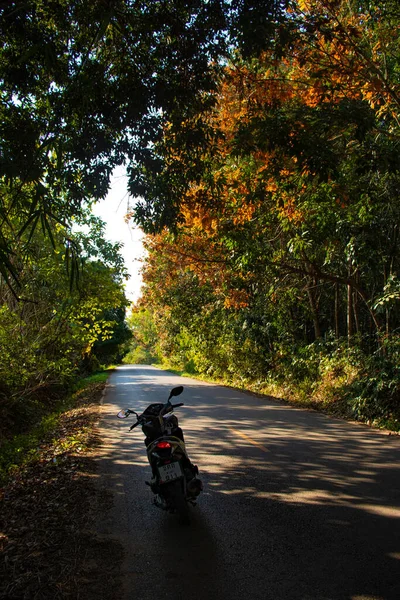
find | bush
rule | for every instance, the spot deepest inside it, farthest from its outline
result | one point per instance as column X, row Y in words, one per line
column 344, row 380
column 374, row 396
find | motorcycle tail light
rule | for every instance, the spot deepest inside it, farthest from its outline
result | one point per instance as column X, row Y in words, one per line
column 163, row 445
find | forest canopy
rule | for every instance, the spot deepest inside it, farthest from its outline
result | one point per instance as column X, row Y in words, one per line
column 284, row 263
column 261, row 140
column 89, row 85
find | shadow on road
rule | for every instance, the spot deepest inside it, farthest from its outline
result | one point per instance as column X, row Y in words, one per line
column 297, row 506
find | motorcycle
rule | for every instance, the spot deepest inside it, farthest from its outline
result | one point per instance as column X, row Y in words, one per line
column 175, row 483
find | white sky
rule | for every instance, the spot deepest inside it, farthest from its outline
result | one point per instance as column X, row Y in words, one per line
column 112, row 211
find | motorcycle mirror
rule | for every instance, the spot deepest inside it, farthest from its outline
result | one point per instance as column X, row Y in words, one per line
column 123, row 414
column 175, row 391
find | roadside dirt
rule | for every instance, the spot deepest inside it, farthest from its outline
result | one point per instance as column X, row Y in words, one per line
column 48, row 542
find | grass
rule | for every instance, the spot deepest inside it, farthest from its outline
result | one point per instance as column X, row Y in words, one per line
column 100, row 377
column 23, row 449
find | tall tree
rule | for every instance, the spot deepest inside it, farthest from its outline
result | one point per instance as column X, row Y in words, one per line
column 294, row 218
column 94, row 84
column 52, row 332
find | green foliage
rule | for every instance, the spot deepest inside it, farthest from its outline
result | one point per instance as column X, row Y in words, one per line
column 94, row 86
column 374, row 396
column 140, row 356
column 52, row 332
column 285, row 267
column 391, row 295
column 277, row 167
column 100, row 377
column 143, row 347
column 24, row 448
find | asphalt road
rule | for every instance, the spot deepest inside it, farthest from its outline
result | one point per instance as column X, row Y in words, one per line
column 296, row 505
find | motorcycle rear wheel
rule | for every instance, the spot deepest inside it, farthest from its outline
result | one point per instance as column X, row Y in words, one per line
column 178, row 502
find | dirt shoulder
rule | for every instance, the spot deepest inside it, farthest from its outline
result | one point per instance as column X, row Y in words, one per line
column 49, row 509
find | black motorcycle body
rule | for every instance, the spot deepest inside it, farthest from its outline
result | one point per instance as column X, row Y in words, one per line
column 175, row 483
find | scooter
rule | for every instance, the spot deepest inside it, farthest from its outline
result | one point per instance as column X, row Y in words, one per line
column 175, row 483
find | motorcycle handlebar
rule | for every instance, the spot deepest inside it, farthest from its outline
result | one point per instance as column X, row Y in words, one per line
column 138, row 422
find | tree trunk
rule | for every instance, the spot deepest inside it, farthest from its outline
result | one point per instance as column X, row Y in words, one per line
column 355, row 312
column 349, row 313
column 314, row 310
column 337, row 326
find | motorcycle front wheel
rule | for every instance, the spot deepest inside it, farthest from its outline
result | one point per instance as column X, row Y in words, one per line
column 177, row 501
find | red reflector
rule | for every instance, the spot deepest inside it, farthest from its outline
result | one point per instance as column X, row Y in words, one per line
column 163, row 445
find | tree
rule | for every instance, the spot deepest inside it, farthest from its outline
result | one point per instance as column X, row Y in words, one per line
column 293, row 222
column 93, row 85
column 52, row 331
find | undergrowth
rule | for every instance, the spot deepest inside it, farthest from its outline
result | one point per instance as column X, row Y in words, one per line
column 24, row 448
column 329, row 376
